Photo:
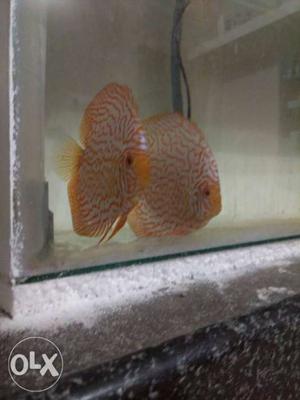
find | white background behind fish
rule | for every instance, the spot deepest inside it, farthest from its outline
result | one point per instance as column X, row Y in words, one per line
column 259, row 169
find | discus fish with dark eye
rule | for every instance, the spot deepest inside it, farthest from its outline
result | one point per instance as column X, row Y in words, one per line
column 184, row 190
column 108, row 171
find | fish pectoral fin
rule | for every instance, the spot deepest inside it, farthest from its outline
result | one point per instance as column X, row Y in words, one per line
column 68, row 159
column 121, row 221
column 141, row 166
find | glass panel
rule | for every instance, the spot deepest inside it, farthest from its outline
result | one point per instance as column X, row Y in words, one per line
column 242, row 68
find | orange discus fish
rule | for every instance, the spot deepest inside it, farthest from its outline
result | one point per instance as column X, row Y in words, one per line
column 184, row 190
column 107, row 172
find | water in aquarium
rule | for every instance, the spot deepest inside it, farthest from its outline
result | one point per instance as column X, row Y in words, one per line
column 168, row 126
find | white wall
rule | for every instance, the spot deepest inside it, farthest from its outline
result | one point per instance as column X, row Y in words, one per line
column 259, row 175
column 91, row 43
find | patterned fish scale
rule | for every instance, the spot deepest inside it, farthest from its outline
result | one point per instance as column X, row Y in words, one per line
column 107, row 174
column 184, row 192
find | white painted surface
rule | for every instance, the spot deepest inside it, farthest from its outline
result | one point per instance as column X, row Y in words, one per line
column 27, row 72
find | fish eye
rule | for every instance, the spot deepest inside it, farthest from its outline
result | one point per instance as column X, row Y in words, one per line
column 129, row 160
column 205, row 190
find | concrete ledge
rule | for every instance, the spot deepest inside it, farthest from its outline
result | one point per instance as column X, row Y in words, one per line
column 252, row 357
column 101, row 317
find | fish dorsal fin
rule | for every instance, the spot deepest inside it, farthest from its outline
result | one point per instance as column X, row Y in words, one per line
column 113, row 105
column 68, row 159
column 170, row 122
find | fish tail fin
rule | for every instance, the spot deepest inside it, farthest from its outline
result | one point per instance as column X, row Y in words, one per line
column 68, row 159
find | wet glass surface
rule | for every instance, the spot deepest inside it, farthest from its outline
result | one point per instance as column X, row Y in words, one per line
column 241, row 59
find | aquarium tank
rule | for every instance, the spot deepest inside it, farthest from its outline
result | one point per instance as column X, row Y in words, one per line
column 147, row 129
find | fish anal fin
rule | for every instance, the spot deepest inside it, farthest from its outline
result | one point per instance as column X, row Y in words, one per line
column 118, row 226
